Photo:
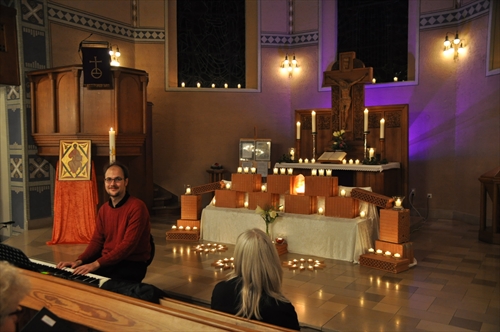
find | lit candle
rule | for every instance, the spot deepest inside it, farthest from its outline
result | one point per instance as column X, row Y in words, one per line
column 300, row 160
column 239, row 86
column 398, row 202
column 365, row 113
column 362, row 214
column 328, row 172
column 240, row 169
column 396, row 255
column 320, row 210
column 253, row 170
column 275, row 170
column 213, row 85
column 292, row 154
column 228, row 185
column 181, row 227
column 306, row 161
column 112, row 152
column 379, row 251
column 357, row 162
column 245, row 204
column 313, row 114
column 283, row 171
column 351, row 161
column 344, row 161
column 313, row 161
column 371, row 250
column 174, row 227
column 281, row 208
column 374, row 80
column 321, row 172
column 195, row 228
column 342, row 193
column 388, row 253
column 188, row 191
column 290, row 171
column 245, row 169
column 314, row 172
column 298, row 130
column 382, row 125
column 225, row 85
column 263, row 188
column 183, row 84
column 371, row 152
column 188, row 228
column 198, row 85
column 395, row 78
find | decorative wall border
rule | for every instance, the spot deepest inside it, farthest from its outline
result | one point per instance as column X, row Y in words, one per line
column 454, row 16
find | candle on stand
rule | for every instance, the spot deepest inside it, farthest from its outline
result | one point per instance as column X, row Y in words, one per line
column 382, row 125
column 188, row 191
column 365, row 113
column 112, row 151
column 313, row 114
column 371, row 153
column 298, row 129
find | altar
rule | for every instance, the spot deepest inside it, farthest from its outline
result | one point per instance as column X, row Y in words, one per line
column 315, row 235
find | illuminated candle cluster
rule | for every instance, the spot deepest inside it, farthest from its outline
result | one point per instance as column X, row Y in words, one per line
column 209, row 247
column 303, row 264
column 224, row 263
column 386, row 253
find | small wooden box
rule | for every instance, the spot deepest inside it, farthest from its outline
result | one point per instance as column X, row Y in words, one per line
column 183, row 235
column 394, row 225
column 281, row 248
column 384, row 263
column 229, row 198
column 404, row 249
column 321, row 186
column 300, row 204
column 191, row 207
column 263, row 199
column 281, row 184
column 190, row 223
column 246, row 182
column 341, row 207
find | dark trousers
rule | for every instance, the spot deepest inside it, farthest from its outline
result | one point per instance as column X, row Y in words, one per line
column 124, row 270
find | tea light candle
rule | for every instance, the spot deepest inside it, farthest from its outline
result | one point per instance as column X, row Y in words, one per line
column 306, row 161
column 314, row 172
column 245, row 169
column 388, row 253
column 396, row 255
column 263, row 188
column 342, row 193
column 321, row 172
column 253, row 170
column 188, row 191
column 283, row 171
column 195, row 228
column 213, row 85
column 398, row 202
column 365, row 120
column 344, row 161
column 374, row 80
column 357, row 162
column 292, row 153
column 362, row 214
column 371, row 250
column 351, row 161
column 174, row 227
column 183, row 84
column 198, row 85
column 379, row 251
column 275, row 170
column 239, row 86
column 240, row 169
column 188, row 228
column 228, row 185
column 290, row 171
column 245, row 204
column 300, row 160
column 320, row 210
column 313, row 161
column 328, row 172
column 225, row 85
column 395, row 78
column 181, row 227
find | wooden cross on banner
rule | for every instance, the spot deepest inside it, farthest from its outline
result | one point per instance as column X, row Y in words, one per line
column 348, row 94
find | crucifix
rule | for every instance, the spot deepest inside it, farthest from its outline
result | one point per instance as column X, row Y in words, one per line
column 348, row 97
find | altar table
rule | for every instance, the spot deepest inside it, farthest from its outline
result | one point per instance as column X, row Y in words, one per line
column 316, row 235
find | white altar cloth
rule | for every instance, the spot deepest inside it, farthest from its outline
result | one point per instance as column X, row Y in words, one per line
column 341, row 167
column 327, row 237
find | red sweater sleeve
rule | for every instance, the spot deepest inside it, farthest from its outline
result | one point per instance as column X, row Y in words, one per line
column 121, row 234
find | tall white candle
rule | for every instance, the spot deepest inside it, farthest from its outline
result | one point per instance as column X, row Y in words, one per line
column 382, row 127
column 365, row 113
column 313, row 114
column 298, row 130
column 112, row 151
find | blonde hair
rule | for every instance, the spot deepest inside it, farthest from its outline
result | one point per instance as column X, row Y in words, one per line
column 257, row 263
column 13, row 288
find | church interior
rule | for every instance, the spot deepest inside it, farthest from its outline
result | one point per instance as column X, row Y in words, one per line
column 434, row 127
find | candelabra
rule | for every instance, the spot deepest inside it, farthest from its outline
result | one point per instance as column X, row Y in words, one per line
column 314, row 145
column 365, row 153
column 382, row 149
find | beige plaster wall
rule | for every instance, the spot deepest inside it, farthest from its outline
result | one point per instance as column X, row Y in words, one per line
column 118, row 10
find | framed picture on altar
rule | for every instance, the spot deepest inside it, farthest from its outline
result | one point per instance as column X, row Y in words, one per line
column 247, row 149
column 262, row 149
column 74, row 160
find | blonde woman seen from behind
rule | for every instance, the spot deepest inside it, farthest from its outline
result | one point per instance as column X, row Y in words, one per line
column 13, row 288
column 253, row 289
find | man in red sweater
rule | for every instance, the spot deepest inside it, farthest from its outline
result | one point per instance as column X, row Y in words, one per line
column 120, row 246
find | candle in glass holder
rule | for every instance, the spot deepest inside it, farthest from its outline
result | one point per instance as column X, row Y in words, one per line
column 379, row 251
column 290, row 171
column 283, row 171
column 321, row 172
column 195, row 228
column 351, row 161
column 174, row 227
column 396, row 255
column 263, row 188
column 228, row 185
column 388, row 253
column 253, row 170
column 371, row 153
column 188, row 191
column 357, row 162
column 371, row 250
column 300, row 160
column 342, row 193
column 344, row 161
column 314, row 172
column 313, row 161
column 245, row 204
column 320, row 210
column 240, row 169
column 181, row 228
column 245, row 169
column 362, row 214
column 275, row 170
column 398, row 202
column 328, row 172
column 188, row 228
column 306, row 161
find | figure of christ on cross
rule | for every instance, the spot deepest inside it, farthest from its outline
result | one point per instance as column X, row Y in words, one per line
column 345, row 99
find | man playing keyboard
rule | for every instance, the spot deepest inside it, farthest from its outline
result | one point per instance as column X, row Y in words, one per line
column 120, row 247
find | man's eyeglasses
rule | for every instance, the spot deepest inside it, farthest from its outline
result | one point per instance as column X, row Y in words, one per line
column 111, row 180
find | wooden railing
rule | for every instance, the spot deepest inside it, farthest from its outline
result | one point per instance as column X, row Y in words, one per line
column 101, row 310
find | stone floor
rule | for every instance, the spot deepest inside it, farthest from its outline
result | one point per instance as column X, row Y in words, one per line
column 454, row 286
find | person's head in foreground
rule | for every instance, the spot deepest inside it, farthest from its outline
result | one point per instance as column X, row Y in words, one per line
column 13, row 288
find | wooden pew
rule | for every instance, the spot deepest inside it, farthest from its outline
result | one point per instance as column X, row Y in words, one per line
column 101, row 310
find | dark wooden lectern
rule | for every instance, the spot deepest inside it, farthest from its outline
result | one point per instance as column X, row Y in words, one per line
column 63, row 109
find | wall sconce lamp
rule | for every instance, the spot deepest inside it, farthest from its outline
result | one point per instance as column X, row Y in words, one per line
column 114, row 56
column 455, row 47
column 290, row 65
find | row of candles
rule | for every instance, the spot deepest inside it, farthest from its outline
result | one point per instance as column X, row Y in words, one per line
column 365, row 124
column 209, row 247
column 187, row 228
column 301, row 264
column 387, row 253
column 247, row 170
column 198, row 85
